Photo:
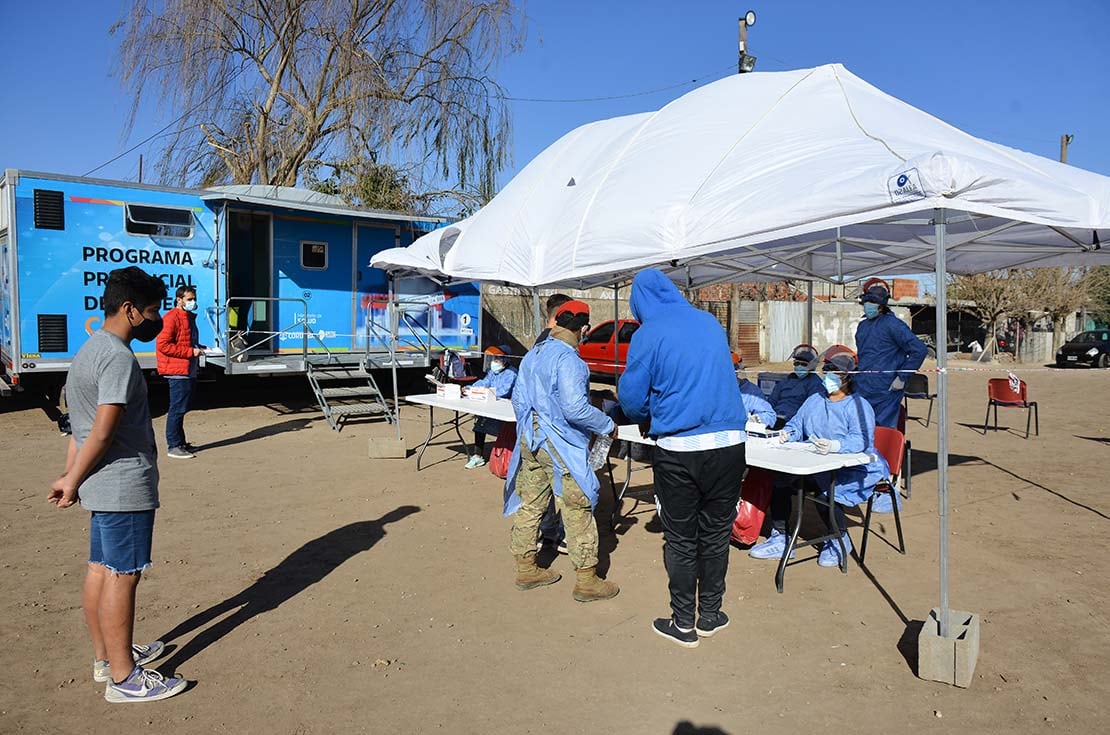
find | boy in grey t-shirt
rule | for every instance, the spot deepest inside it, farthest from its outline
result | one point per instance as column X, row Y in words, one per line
column 111, row 467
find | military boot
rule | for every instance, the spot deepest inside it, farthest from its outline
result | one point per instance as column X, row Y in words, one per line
column 590, row 587
column 530, row 576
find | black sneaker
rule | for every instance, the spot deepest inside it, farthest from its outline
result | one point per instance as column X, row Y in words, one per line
column 666, row 628
column 707, row 627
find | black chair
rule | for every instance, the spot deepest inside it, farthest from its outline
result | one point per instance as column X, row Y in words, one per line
column 917, row 386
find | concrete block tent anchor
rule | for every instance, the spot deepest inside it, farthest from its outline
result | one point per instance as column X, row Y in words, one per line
column 807, row 175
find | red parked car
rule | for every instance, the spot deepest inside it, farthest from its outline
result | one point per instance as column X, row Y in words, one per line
column 599, row 351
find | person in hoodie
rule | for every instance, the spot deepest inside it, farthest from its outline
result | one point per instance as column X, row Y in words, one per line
column 789, row 394
column 501, row 377
column 680, row 381
column 555, row 423
column 888, row 354
column 838, row 421
column 756, row 405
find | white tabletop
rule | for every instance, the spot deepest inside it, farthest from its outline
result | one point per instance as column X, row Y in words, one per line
column 769, row 455
column 501, row 409
column 765, row 453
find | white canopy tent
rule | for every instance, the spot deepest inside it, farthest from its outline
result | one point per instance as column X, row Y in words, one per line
column 810, row 174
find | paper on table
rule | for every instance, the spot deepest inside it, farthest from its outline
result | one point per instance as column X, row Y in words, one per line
column 794, row 446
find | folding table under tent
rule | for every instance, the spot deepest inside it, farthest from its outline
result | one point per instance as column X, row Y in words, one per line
column 808, row 175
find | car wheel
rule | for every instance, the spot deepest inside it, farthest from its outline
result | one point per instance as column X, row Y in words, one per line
column 1103, row 360
column 931, row 353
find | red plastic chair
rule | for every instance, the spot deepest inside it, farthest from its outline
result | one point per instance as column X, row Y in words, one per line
column 999, row 393
column 890, row 443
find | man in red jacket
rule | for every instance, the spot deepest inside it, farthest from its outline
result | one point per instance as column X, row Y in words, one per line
column 178, row 350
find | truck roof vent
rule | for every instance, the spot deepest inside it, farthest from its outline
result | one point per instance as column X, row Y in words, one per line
column 53, row 333
column 50, row 213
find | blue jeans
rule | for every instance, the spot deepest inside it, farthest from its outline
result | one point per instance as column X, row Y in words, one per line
column 120, row 542
column 181, row 395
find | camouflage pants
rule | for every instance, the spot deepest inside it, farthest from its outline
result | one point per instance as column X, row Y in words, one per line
column 534, row 485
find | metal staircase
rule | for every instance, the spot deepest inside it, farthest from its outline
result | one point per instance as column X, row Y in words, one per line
column 347, row 390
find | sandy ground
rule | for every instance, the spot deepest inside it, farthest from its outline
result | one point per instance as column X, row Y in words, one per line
column 308, row 589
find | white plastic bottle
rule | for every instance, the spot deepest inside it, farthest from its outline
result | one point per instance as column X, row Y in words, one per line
column 600, row 451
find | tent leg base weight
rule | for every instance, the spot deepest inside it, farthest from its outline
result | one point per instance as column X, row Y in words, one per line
column 387, row 448
column 951, row 659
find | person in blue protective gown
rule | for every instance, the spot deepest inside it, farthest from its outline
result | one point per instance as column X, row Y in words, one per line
column 756, row 405
column 888, row 354
column 555, row 423
column 501, row 377
column 840, row 421
column 790, row 393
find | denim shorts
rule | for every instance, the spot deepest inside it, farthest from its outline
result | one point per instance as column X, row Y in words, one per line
column 121, row 542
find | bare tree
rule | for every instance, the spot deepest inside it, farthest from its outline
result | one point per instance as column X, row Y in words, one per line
column 988, row 296
column 260, row 89
column 1056, row 293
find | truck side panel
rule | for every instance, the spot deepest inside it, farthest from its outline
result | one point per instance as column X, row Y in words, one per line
column 63, row 264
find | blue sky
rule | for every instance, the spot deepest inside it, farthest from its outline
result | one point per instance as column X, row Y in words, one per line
column 995, row 68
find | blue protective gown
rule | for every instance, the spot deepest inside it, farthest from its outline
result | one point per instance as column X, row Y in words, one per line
column 789, row 394
column 852, row 423
column 553, row 384
column 886, row 344
column 756, row 403
column 502, row 384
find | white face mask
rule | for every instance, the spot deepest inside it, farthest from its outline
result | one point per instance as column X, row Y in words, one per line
column 832, row 383
column 496, row 367
column 189, row 305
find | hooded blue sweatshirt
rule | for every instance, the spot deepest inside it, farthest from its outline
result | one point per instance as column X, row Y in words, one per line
column 679, row 370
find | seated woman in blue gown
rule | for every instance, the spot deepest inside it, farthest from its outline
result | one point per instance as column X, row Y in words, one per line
column 840, row 421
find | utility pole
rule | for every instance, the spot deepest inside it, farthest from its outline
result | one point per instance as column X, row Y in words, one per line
column 140, row 168
column 745, row 63
column 1065, row 141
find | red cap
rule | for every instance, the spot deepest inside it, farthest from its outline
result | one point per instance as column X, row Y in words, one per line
column 574, row 307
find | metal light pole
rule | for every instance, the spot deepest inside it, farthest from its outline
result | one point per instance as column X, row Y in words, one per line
column 745, row 63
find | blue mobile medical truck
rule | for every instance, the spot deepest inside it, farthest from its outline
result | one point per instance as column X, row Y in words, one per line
column 282, row 276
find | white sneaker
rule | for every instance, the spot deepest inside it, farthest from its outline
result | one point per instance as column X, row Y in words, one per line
column 140, row 653
column 143, row 685
column 476, row 461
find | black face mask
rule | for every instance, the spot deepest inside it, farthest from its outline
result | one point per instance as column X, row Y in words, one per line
column 147, row 329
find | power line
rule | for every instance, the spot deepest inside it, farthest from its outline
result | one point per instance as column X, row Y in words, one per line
column 173, row 122
column 606, row 98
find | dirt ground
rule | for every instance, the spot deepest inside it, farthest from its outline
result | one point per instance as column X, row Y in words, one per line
column 308, row 589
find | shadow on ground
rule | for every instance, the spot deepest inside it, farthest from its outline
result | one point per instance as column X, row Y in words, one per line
column 306, row 566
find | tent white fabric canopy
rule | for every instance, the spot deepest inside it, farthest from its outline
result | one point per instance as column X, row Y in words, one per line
column 808, row 174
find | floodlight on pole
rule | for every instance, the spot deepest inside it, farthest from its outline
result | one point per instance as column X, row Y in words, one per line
column 745, row 62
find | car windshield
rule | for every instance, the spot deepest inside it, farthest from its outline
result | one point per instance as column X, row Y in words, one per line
column 1090, row 338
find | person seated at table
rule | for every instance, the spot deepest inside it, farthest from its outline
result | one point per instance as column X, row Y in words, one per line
column 755, row 403
column 791, row 392
column 501, row 376
column 840, row 421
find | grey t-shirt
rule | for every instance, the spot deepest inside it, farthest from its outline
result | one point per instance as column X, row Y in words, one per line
column 106, row 371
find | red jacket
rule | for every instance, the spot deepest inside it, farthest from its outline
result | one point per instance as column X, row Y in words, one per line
column 175, row 343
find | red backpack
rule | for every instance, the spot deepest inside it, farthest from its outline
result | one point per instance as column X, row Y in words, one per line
column 755, row 499
column 502, row 450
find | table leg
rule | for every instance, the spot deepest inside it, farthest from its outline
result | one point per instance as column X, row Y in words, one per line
column 836, row 526
column 428, row 440
column 799, row 501
column 465, row 443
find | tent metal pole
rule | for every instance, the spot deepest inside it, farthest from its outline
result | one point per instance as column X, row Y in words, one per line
column 941, row 228
column 809, row 313
column 616, row 334
column 537, row 322
column 393, row 329
column 839, row 259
